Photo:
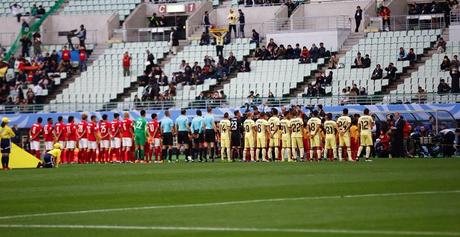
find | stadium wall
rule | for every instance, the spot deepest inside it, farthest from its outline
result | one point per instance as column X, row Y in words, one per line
column 137, row 19
column 9, row 30
column 26, row 120
column 99, row 27
column 454, row 32
column 196, row 18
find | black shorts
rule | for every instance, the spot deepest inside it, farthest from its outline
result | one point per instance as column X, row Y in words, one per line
column 182, row 138
column 5, row 145
column 167, row 139
column 198, row 137
column 236, row 139
column 210, row 135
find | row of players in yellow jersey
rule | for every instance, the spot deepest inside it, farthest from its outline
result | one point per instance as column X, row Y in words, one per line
column 293, row 136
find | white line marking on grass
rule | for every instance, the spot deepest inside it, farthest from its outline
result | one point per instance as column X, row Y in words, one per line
column 235, row 229
column 226, row 203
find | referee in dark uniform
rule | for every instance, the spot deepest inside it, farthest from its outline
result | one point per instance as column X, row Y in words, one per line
column 6, row 133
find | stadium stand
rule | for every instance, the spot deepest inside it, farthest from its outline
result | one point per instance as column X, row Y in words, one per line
column 26, row 6
column 103, row 80
column 122, row 7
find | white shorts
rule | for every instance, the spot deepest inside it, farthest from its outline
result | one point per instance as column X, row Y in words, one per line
column 83, row 143
column 105, row 144
column 48, row 146
column 127, row 142
column 115, row 142
column 62, row 144
column 70, row 144
column 92, row 145
column 35, row 145
column 156, row 142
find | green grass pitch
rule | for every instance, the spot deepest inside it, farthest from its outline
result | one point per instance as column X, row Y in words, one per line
column 398, row 197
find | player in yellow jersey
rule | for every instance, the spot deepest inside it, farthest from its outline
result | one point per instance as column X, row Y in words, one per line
column 225, row 135
column 314, row 125
column 330, row 128
column 249, row 136
column 365, row 124
column 262, row 132
column 285, row 124
column 344, row 123
column 296, row 135
column 274, row 125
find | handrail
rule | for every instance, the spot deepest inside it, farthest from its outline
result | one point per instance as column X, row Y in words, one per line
column 61, row 106
column 32, row 28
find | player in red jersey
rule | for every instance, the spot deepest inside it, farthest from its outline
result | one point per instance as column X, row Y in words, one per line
column 48, row 134
column 127, row 137
column 104, row 130
column 93, row 136
column 60, row 136
column 115, row 136
column 34, row 136
column 153, row 128
column 82, row 137
column 71, row 132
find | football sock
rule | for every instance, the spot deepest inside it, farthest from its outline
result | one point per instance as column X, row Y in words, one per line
column 334, row 154
column 311, row 154
column 368, row 152
column 163, row 154
column 251, row 150
column 213, row 150
column 360, row 149
column 177, row 153
column 170, row 153
column 349, row 153
column 244, row 155
column 340, row 153
column 257, row 154
column 301, row 151
column 277, row 153
column 318, row 153
column 229, row 153
column 270, row 153
column 141, row 154
column 264, row 154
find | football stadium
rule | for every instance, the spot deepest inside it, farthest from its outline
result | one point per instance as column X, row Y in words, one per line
column 230, row 118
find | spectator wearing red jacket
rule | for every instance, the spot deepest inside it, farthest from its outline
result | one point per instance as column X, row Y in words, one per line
column 385, row 14
column 304, row 55
column 83, row 57
column 126, row 64
column 65, row 54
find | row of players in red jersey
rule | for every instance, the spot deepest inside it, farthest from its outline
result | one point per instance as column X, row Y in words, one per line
column 91, row 141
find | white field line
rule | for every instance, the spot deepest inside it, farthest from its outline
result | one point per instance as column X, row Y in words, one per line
column 235, row 229
column 227, row 203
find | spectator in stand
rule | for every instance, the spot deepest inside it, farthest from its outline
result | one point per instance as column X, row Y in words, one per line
column 454, row 62
column 411, row 56
column 358, row 61
column 37, row 90
column 246, row 65
column 206, row 22
column 323, row 52
column 455, row 75
column 280, row 52
column 255, row 38
column 34, row 10
column 328, row 79
column 391, row 72
column 81, row 35
column 297, row 51
column 30, row 96
column 83, row 58
column 441, row 45
column 150, row 57
column 304, row 55
column 25, row 25
column 445, row 64
column 232, row 62
column 289, row 52
column 314, row 53
column 66, row 55
column 366, row 61
column 333, row 62
column 401, row 54
column 16, row 10
column 385, row 14
column 443, row 87
column 37, row 44
column 174, row 41
column 41, row 11
column 271, row 44
column 204, row 40
column 126, row 62
column 25, row 43
column 377, row 73
column 154, row 21
column 232, row 20
column 358, row 17
column 242, row 22
column 220, row 38
column 421, row 95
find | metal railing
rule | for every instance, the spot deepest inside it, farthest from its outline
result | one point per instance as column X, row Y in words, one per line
column 407, row 22
column 78, row 106
column 144, row 34
column 52, row 37
column 455, row 17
